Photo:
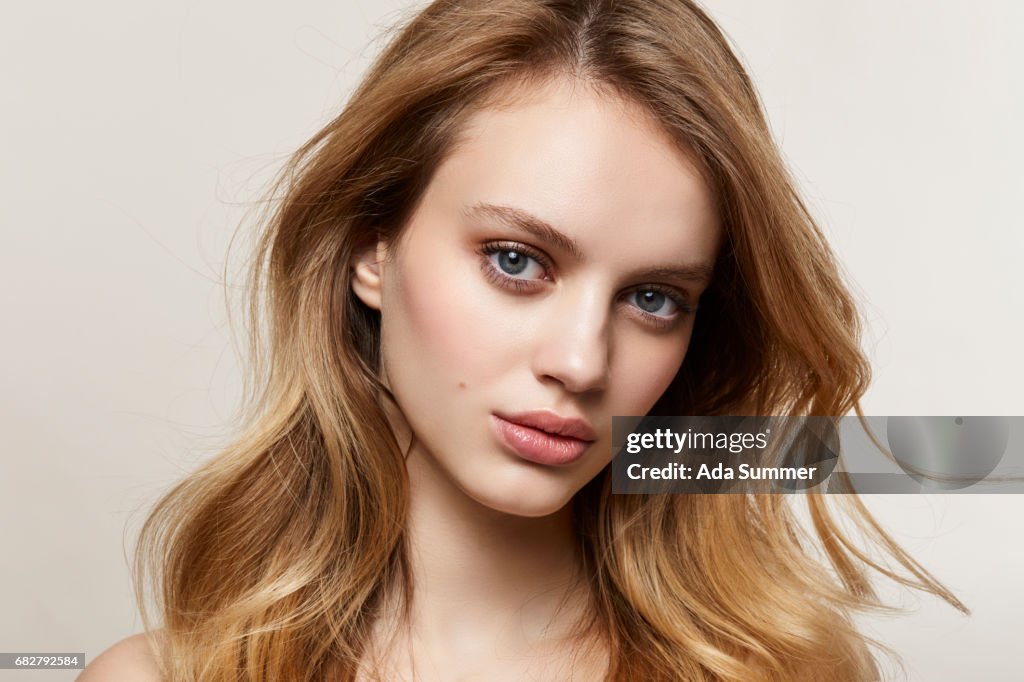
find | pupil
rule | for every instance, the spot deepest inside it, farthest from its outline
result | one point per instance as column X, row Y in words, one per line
column 651, row 300
column 512, row 262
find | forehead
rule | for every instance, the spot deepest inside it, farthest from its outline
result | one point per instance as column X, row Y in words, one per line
column 590, row 163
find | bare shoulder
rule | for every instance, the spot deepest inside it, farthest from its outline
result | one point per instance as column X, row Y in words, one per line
column 130, row 659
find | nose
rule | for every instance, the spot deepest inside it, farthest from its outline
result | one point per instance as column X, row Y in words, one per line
column 575, row 346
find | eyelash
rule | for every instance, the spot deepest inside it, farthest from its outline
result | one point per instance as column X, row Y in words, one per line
column 520, row 285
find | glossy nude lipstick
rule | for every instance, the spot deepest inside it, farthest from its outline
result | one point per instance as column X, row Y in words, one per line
column 543, row 437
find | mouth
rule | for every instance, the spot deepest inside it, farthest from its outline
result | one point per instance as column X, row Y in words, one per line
column 537, row 445
column 550, row 422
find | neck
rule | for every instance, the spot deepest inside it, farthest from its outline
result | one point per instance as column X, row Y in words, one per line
column 486, row 585
column 480, row 572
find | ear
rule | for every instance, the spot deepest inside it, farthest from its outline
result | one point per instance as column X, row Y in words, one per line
column 367, row 274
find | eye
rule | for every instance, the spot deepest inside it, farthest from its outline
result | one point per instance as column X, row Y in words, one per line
column 513, row 264
column 663, row 307
column 654, row 302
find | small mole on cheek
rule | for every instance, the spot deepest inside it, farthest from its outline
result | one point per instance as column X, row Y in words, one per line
column 462, row 384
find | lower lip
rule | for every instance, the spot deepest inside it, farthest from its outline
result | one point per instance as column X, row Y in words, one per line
column 539, row 446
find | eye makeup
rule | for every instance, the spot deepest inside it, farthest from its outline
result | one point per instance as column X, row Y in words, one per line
column 524, row 285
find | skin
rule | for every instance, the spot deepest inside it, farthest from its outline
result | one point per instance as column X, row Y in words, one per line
column 491, row 540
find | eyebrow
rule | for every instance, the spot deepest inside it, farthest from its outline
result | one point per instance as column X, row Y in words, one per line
column 519, row 219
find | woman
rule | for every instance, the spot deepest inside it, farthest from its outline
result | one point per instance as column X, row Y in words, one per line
column 503, row 241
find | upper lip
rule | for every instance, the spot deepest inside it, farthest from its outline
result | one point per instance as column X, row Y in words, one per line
column 546, row 420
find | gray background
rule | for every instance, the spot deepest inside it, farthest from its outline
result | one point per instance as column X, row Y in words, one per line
column 136, row 133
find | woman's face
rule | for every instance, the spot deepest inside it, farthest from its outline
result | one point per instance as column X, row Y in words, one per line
column 550, row 267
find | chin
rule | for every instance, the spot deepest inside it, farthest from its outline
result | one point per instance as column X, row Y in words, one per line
column 539, row 501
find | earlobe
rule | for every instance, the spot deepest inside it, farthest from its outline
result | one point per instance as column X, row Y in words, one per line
column 367, row 274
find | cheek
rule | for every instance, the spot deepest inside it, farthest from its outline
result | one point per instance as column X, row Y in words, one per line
column 440, row 320
column 647, row 369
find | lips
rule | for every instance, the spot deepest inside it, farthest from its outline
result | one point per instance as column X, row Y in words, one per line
column 536, row 444
column 549, row 422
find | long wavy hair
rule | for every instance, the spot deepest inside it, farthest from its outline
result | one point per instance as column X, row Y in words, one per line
column 274, row 559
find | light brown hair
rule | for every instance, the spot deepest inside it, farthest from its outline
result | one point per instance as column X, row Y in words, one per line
column 272, row 561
